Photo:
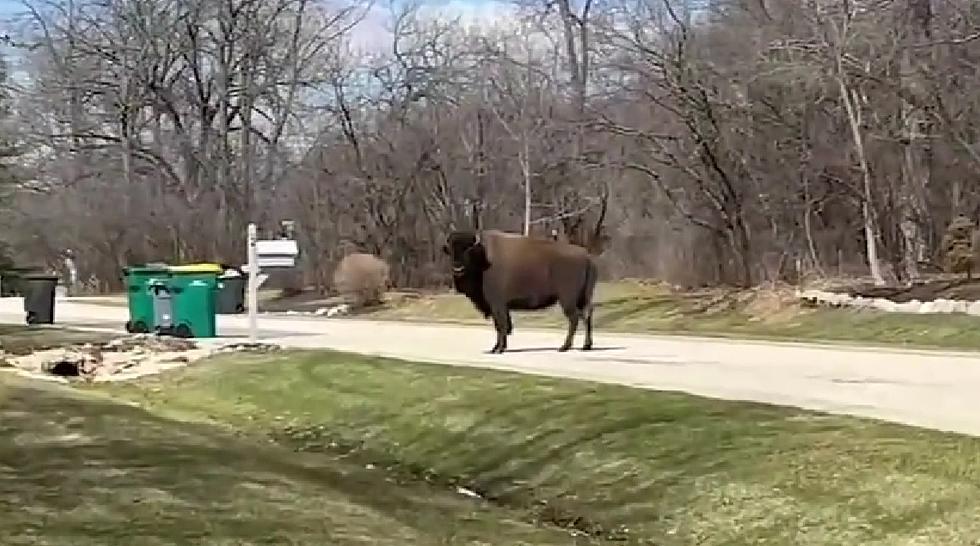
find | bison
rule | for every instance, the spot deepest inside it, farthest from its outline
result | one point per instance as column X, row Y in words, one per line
column 499, row 272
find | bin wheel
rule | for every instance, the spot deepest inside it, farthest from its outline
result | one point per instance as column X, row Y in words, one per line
column 129, row 327
column 182, row 330
column 138, row 327
column 31, row 318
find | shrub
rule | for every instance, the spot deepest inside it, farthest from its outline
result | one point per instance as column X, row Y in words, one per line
column 362, row 279
column 958, row 246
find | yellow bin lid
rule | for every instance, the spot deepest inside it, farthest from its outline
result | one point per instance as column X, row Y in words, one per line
column 196, row 268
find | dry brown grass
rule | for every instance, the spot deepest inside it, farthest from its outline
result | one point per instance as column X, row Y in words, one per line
column 362, row 279
column 764, row 313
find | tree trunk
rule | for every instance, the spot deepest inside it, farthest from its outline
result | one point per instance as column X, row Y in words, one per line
column 851, row 105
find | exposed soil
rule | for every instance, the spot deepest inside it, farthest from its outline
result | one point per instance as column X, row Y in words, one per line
column 118, row 359
column 311, row 301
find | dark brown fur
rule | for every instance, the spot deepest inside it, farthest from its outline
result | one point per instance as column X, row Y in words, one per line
column 499, row 272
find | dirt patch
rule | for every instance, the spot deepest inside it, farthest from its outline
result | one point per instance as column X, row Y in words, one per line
column 771, row 303
column 316, row 303
column 118, row 359
column 758, row 302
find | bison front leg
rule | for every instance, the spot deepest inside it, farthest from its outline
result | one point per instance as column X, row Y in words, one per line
column 501, row 323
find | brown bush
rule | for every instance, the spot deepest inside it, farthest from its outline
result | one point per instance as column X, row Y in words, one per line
column 957, row 246
column 362, row 279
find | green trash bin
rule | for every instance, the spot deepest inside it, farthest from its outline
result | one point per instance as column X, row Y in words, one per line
column 195, row 290
column 140, row 298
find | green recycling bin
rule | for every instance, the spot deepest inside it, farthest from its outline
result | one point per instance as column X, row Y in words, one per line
column 195, row 290
column 141, row 287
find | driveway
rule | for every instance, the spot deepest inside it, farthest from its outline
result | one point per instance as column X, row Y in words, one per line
column 933, row 389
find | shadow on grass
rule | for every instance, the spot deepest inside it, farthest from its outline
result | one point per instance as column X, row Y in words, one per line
column 84, row 471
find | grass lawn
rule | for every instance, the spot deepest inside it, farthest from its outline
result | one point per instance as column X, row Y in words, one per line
column 83, row 470
column 624, row 465
column 643, row 308
column 17, row 339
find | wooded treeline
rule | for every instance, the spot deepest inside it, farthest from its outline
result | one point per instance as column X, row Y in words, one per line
column 699, row 141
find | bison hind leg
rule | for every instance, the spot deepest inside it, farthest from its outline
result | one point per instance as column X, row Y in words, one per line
column 572, row 313
column 587, row 345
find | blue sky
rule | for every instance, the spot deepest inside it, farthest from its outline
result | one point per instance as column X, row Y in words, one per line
column 374, row 28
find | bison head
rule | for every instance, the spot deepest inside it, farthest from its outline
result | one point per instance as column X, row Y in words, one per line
column 467, row 253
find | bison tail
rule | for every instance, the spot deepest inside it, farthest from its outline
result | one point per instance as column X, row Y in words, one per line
column 591, row 276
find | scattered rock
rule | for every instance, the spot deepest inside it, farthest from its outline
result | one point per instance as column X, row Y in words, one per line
column 336, row 310
column 468, row 493
column 247, row 347
column 120, row 358
column 817, row 298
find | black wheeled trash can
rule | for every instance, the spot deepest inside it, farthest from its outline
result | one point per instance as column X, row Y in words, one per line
column 231, row 294
column 39, row 298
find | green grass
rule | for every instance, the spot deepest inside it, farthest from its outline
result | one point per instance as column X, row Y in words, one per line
column 80, row 470
column 17, row 339
column 630, row 466
column 638, row 308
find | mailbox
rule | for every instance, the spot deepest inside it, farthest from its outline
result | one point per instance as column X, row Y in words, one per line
column 276, row 253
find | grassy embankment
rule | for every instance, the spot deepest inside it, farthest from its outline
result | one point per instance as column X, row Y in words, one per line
column 632, row 307
column 620, row 465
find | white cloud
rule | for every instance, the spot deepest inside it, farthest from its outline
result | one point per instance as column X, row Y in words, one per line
column 373, row 33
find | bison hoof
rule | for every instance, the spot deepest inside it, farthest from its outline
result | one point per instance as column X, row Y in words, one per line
column 587, row 347
column 563, row 348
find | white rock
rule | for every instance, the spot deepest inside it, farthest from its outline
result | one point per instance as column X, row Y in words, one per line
column 468, row 492
column 885, row 305
column 908, row 307
column 973, row 308
column 862, row 303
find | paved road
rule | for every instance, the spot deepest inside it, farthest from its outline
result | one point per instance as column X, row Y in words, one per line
column 930, row 389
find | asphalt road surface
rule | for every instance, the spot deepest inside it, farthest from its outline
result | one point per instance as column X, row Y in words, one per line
column 938, row 390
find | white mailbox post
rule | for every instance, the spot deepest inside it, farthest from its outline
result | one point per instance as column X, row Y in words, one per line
column 264, row 254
